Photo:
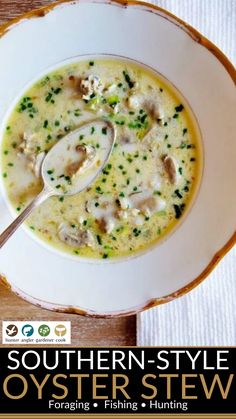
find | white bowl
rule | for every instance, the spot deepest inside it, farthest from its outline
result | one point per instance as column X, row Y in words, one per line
column 205, row 77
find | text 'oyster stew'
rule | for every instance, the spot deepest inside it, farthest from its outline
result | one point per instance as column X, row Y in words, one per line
column 150, row 179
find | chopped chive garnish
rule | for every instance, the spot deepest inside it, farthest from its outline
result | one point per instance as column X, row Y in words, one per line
column 178, row 194
column 58, row 90
column 48, row 97
column 128, row 79
column 178, row 211
column 179, row 108
column 99, row 240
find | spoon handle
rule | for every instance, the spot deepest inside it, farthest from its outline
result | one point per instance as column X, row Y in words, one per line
column 40, row 198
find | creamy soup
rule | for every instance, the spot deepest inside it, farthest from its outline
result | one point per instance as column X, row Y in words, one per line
column 147, row 184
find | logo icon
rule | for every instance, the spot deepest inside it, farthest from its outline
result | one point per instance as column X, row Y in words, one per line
column 44, row 330
column 60, row 330
column 11, row 330
column 27, row 330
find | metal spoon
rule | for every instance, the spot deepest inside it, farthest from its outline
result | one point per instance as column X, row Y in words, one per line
column 56, row 160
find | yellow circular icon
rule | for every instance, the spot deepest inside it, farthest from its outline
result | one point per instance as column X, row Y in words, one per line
column 60, row 330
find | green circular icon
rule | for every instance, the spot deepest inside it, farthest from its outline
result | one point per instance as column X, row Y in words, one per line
column 44, row 330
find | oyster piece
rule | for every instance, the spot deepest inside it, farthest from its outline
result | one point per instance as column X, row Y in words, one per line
column 154, row 108
column 28, row 148
column 154, row 182
column 150, row 105
column 86, row 155
column 127, row 144
column 171, row 168
column 151, row 205
column 143, row 203
column 29, row 143
column 75, row 236
column 35, row 163
column 135, row 101
column 104, row 209
column 107, row 224
column 91, row 85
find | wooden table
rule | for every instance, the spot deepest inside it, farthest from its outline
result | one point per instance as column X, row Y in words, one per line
column 85, row 331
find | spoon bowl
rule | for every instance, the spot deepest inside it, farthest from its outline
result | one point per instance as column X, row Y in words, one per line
column 71, row 165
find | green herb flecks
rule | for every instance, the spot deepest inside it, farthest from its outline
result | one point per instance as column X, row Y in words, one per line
column 99, row 240
column 178, row 210
column 26, row 105
column 179, row 108
column 128, row 79
column 50, row 96
column 178, row 194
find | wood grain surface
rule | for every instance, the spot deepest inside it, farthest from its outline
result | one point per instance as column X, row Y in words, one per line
column 10, row 9
column 85, row 331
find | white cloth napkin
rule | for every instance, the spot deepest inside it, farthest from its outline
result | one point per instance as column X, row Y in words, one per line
column 207, row 315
